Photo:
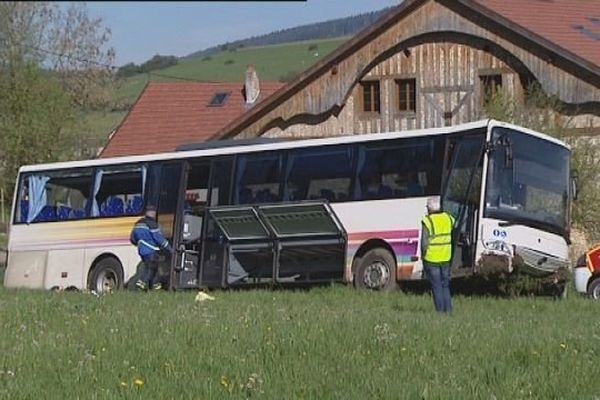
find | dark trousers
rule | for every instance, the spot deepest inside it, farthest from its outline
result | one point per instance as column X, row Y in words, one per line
column 439, row 277
column 150, row 273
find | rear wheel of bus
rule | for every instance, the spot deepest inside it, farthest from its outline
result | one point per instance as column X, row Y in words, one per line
column 106, row 276
column 376, row 270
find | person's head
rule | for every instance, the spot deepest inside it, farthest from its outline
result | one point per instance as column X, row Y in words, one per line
column 433, row 205
column 151, row 212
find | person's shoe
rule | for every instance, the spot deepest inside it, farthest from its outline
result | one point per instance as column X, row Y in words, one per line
column 140, row 284
column 157, row 286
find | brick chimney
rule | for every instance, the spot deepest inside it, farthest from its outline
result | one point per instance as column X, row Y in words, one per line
column 251, row 86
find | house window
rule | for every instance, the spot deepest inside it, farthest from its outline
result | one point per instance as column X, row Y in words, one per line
column 407, row 95
column 219, row 99
column 371, row 92
column 490, row 86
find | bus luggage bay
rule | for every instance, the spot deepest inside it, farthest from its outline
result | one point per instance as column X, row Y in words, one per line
column 342, row 208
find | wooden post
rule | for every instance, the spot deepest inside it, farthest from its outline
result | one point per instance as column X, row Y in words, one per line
column 2, row 205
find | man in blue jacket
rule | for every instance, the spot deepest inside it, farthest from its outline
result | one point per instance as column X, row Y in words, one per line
column 148, row 238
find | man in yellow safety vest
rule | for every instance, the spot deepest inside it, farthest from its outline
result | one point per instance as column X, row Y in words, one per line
column 436, row 252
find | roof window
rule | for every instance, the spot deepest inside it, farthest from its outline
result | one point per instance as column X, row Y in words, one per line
column 219, row 99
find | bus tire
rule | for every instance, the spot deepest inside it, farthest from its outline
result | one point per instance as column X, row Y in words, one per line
column 376, row 270
column 106, row 276
column 594, row 288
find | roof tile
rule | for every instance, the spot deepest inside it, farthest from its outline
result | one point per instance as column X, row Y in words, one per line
column 169, row 114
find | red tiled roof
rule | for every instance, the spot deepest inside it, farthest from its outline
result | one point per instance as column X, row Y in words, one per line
column 573, row 25
column 171, row 114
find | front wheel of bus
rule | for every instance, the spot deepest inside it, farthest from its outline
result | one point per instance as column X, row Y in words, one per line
column 106, row 276
column 376, row 270
column 594, row 289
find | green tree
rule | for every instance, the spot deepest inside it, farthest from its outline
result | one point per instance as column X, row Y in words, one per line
column 545, row 113
column 53, row 63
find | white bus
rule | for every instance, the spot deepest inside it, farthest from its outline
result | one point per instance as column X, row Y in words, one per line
column 508, row 187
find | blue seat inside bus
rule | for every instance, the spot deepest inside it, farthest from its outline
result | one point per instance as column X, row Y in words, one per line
column 135, row 205
column 48, row 213
column 112, row 207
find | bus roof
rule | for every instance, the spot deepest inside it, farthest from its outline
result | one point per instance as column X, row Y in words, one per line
column 249, row 147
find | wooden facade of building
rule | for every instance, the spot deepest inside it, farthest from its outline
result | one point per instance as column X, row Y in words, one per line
column 429, row 63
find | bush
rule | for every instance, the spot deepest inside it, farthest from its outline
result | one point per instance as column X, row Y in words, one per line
column 313, row 47
column 229, row 62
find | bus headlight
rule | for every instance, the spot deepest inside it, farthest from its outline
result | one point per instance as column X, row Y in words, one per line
column 497, row 245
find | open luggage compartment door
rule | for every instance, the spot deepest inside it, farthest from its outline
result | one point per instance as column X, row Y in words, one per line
column 292, row 242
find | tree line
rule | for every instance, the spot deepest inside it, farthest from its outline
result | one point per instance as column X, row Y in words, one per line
column 322, row 30
column 155, row 63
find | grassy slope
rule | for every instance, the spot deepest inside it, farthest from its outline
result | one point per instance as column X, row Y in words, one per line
column 326, row 343
column 271, row 62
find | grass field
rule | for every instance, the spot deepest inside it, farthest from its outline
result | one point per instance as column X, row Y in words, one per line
column 327, row 343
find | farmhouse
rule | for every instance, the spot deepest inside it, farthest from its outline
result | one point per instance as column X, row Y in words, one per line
column 169, row 114
column 430, row 63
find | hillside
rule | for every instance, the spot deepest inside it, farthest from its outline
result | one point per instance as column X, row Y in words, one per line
column 276, row 62
column 340, row 27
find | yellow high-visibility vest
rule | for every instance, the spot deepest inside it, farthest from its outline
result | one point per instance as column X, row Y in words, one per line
column 439, row 226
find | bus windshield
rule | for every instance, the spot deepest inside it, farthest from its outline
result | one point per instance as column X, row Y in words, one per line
column 528, row 181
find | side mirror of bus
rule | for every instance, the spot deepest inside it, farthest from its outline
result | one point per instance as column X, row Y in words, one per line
column 574, row 187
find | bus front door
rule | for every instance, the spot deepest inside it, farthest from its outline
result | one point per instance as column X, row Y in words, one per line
column 189, row 239
column 460, row 196
column 170, row 186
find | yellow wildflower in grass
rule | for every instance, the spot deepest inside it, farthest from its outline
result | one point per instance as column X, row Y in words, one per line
column 123, row 383
column 563, row 346
column 139, row 382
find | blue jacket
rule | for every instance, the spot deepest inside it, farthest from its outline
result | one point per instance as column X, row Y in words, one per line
column 148, row 238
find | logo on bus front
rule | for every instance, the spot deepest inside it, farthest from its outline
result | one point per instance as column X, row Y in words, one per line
column 499, row 233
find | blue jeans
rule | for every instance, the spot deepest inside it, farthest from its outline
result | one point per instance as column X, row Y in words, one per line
column 439, row 277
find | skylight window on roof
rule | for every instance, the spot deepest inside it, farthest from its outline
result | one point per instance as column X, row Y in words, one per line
column 219, row 99
column 587, row 32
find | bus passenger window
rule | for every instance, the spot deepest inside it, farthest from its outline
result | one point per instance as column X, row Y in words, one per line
column 257, row 179
column 53, row 196
column 118, row 191
column 319, row 174
column 411, row 168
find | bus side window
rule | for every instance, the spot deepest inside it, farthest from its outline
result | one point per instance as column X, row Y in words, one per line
column 53, row 196
column 257, row 178
column 319, row 174
column 407, row 168
column 119, row 191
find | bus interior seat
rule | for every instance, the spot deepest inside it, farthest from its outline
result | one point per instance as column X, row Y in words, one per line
column 48, row 213
column 385, row 192
column 342, row 196
column 245, row 196
column 135, row 205
column 77, row 214
column 64, row 212
column 112, row 207
column 327, row 194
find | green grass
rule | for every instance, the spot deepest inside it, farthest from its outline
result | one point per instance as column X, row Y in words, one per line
column 271, row 62
column 321, row 344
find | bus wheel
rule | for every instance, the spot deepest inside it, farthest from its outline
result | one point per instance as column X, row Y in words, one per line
column 594, row 289
column 106, row 276
column 376, row 270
